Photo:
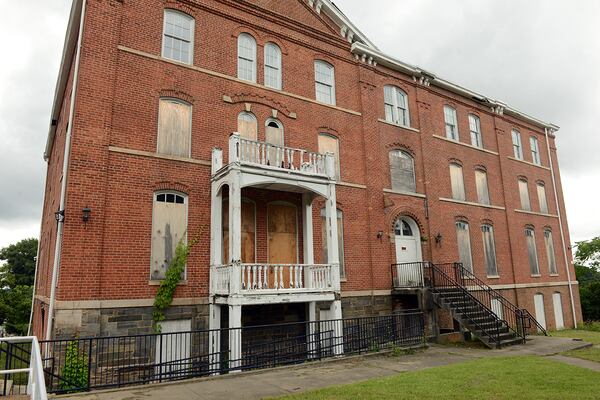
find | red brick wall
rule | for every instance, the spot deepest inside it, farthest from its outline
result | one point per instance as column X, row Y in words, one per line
column 117, row 105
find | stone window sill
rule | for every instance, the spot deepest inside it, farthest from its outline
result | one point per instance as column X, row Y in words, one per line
column 158, row 282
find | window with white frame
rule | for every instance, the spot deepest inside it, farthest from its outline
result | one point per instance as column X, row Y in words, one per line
column 451, row 122
column 481, row 182
column 178, row 37
column 550, row 252
column 535, row 150
column 273, row 66
column 247, row 125
column 516, row 141
column 324, row 82
column 532, row 251
column 396, row 106
column 489, row 250
column 402, row 171
column 246, row 57
column 475, row 128
column 340, row 230
column 169, row 229
column 463, row 240
column 457, row 182
column 524, row 195
column 330, row 144
column 541, row 192
column 174, row 127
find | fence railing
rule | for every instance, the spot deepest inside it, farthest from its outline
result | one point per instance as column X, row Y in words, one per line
column 408, row 275
column 272, row 278
column 109, row 362
column 263, row 154
column 21, row 370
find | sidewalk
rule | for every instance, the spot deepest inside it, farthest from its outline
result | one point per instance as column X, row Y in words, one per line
column 287, row 380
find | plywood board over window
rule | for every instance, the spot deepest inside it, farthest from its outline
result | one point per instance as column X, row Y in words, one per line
column 402, row 171
column 282, row 234
column 174, row 128
column 330, row 144
column 169, row 228
column 247, row 126
column 248, row 231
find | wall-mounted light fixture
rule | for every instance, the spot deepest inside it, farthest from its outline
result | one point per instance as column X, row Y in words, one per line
column 86, row 214
column 438, row 238
column 379, row 235
column 60, row 216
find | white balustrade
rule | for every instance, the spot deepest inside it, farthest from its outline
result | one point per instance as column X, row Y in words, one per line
column 269, row 155
column 280, row 278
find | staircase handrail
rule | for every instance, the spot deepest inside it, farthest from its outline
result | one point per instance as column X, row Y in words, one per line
column 531, row 318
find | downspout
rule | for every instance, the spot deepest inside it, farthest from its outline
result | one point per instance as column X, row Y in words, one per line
column 63, row 189
column 560, row 224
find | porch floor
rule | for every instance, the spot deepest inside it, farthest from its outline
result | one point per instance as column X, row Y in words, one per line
column 289, row 380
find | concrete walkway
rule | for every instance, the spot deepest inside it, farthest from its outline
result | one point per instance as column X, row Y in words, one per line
column 287, row 380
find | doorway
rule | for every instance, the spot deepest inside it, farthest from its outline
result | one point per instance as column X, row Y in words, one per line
column 407, row 239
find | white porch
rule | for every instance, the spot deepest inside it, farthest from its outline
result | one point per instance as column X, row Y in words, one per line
column 235, row 282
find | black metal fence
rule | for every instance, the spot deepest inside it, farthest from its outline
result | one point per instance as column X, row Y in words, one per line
column 408, row 275
column 107, row 362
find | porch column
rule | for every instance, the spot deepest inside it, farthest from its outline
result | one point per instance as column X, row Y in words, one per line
column 235, row 337
column 335, row 312
column 333, row 257
column 235, row 229
column 307, row 236
column 216, row 215
column 214, row 337
column 311, row 329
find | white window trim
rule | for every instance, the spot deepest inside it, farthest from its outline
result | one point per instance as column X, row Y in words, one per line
column 279, row 67
column 396, row 107
column 477, row 120
column 190, row 60
column 254, row 60
column 535, row 150
column 333, row 96
column 517, row 155
column 455, row 115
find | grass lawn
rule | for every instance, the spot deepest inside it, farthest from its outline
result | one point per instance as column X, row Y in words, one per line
column 497, row 378
column 589, row 353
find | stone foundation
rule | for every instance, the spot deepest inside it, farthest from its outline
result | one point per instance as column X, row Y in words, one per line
column 366, row 306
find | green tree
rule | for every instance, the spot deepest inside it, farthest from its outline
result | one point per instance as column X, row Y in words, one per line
column 16, row 284
column 587, row 269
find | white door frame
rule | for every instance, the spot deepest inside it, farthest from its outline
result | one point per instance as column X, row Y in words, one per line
column 540, row 312
column 405, row 276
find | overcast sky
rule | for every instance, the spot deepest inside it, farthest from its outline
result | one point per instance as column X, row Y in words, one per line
column 540, row 56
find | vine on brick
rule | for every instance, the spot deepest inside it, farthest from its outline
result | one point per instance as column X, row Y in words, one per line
column 164, row 294
column 75, row 372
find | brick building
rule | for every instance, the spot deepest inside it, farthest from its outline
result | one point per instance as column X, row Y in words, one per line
column 305, row 162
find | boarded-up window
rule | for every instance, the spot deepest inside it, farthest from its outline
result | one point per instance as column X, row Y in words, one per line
column 464, row 245
column 532, row 252
column 340, row 229
column 524, row 195
column 541, row 192
column 174, row 128
column 550, row 252
column 457, row 182
column 489, row 250
column 247, row 126
column 274, row 136
column 330, row 144
column 169, row 228
column 282, row 234
column 483, row 193
column 248, row 233
column 402, row 171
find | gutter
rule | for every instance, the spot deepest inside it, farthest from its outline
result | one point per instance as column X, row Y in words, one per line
column 374, row 57
column 560, row 224
column 63, row 189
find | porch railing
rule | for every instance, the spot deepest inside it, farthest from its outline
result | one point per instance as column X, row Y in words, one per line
column 22, row 370
column 272, row 278
column 269, row 155
column 408, row 275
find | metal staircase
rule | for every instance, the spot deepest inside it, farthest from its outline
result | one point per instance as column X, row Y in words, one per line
column 486, row 313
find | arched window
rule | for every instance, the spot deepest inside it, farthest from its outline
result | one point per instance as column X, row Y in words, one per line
column 463, row 239
column 532, row 251
column 274, row 136
column 524, row 195
column 402, row 171
column 331, row 144
column 516, row 141
column 174, row 127
column 169, row 227
column 246, row 57
column 489, row 250
column 324, row 82
column 247, row 126
column 451, row 122
column 178, row 37
column 550, row 252
column 402, row 228
column 457, row 182
column 272, row 66
column 340, row 230
column 396, row 106
column 475, row 128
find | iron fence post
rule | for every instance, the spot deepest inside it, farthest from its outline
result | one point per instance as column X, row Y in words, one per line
column 89, row 366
